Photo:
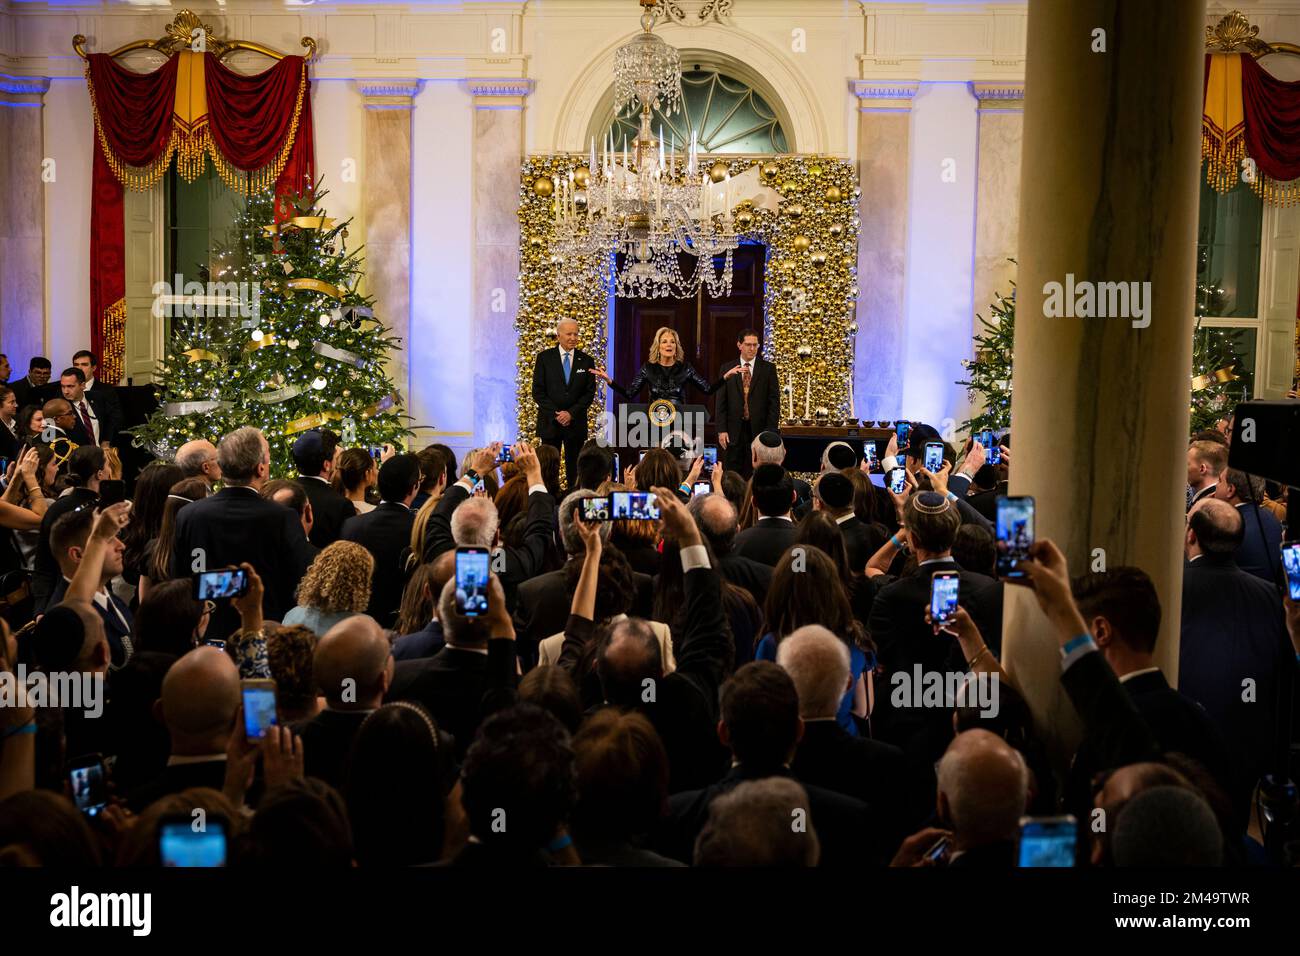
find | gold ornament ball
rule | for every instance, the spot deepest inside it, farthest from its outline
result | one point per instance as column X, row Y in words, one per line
column 818, row 259
column 770, row 171
column 543, row 186
column 744, row 219
column 801, row 243
column 853, row 328
column 804, row 352
column 790, row 186
column 535, row 242
column 814, row 170
column 582, row 176
column 794, row 210
column 318, row 366
column 347, row 393
column 718, row 171
column 821, row 413
column 837, row 230
column 834, row 193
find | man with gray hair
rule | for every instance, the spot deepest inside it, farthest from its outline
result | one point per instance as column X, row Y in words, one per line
column 982, row 794
column 237, row 524
column 563, row 388
column 198, row 459
column 828, row 755
column 758, row 824
column 768, row 448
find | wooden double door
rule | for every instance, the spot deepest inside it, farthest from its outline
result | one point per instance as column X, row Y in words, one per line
column 706, row 326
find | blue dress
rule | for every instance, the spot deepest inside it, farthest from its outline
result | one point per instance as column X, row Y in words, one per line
column 859, row 664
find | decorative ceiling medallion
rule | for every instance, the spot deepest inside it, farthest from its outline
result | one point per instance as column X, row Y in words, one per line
column 693, row 14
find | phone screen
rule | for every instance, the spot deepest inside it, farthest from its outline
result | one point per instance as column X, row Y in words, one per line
column 376, row 452
column 943, row 596
column 479, row 486
column 937, row 851
column 472, row 581
column 259, row 708
column 179, row 844
column 898, row 480
column 710, row 455
column 504, row 456
column 869, row 453
column 1015, row 534
column 1047, row 841
column 595, row 509
column 1291, row 562
column 617, row 470
column 634, row 506
column 111, row 491
column 702, row 488
column 214, row 585
column 933, row 457
column 88, row 780
column 902, row 430
column 992, row 455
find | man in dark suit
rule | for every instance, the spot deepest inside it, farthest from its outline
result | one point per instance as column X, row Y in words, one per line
column 237, row 525
column 353, row 667
column 1122, row 611
column 767, row 448
column 760, row 725
column 69, row 542
column 35, row 388
column 10, row 441
column 1234, row 640
column 386, row 533
column 716, row 517
column 102, row 394
column 88, row 411
column 903, row 638
column 833, row 493
column 563, row 388
column 199, row 704
column 1260, row 553
column 314, row 453
column 749, row 403
column 463, row 520
column 61, row 423
column 773, row 494
column 983, row 790
column 85, row 471
column 1206, row 460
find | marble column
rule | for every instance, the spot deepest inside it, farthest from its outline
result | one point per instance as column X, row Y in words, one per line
column 498, row 106
column 1100, row 405
column 997, row 197
column 884, row 134
column 22, row 219
column 386, row 197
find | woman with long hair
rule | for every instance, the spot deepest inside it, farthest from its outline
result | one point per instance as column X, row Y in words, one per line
column 31, row 422
column 148, row 502
column 336, row 586
column 743, row 613
column 819, row 530
column 667, row 373
column 159, row 567
column 48, row 469
column 354, row 476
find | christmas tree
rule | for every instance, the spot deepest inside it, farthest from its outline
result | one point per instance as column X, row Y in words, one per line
column 281, row 340
column 1216, row 386
column 989, row 372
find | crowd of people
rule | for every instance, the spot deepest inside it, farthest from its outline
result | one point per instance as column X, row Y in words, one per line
column 718, row 686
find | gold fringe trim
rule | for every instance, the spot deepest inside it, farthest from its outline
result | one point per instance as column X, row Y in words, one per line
column 1224, row 154
column 189, row 145
column 113, row 324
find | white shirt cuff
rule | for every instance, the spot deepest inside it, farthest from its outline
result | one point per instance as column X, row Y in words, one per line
column 537, row 487
column 694, row 557
column 888, row 463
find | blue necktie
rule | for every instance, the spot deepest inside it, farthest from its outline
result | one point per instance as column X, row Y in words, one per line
column 566, row 368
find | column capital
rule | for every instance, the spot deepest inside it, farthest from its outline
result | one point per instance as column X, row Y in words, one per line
column 23, row 90
column 999, row 97
column 884, row 96
column 496, row 93
column 388, row 93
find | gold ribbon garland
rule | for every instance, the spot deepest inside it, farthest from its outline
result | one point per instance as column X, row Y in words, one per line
column 263, row 342
column 1218, row 376
column 301, row 222
column 315, row 285
column 201, row 355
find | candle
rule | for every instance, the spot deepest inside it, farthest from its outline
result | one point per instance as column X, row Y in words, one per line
column 789, row 390
column 591, row 165
column 852, row 412
column 807, row 397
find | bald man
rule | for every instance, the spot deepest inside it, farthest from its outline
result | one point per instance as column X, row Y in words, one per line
column 1233, row 638
column 199, row 707
column 198, row 459
column 828, row 755
column 60, row 422
column 353, row 667
column 563, row 388
column 983, row 792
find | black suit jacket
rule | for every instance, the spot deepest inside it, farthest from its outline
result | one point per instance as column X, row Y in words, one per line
column 326, row 740
column 45, row 570
column 108, row 406
column 176, row 778
column 861, row 541
column 552, row 395
column 329, row 510
column 754, row 576
column 764, row 398
column 459, row 687
column 1232, row 631
column 542, row 607
column 236, row 525
column 386, row 533
column 117, row 626
column 29, row 394
column 9, row 441
column 1260, row 550
column 766, row 541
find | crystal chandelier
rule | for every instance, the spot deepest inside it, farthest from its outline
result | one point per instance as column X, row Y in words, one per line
column 625, row 221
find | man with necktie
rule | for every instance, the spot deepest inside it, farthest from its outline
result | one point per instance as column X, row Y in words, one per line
column 749, row 403
column 563, row 388
column 87, row 409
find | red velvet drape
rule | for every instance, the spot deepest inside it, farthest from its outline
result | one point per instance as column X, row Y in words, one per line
column 250, row 120
column 1272, row 110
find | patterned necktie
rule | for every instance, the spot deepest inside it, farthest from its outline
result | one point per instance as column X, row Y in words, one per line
column 566, row 368
column 744, row 384
column 85, row 420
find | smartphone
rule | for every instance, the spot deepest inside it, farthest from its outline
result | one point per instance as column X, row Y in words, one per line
column 643, row 454
column 595, row 509
column 4, row 465
column 617, row 470
column 710, row 456
column 215, row 642
column 870, row 454
column 111, row 491
column 1015, row 533
column 180, row 844
column 259, row 706
column 479, row 486
column 1047, row 841
column 898, row 480
column 214, row 585
column 88, row 780
column 933, row 456
column 902, row 430
column 504, row 455
column 472, row 581
column 702, row 488
column 1291, row 564
column 634, row 506
column 943, row 596
column 376, row 452
column 938, row 851
column 990, row 442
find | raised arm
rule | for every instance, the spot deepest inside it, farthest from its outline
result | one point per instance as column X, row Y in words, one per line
column 582, row 611
column 539, row 529
column 437, row 532
column 85, row 581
